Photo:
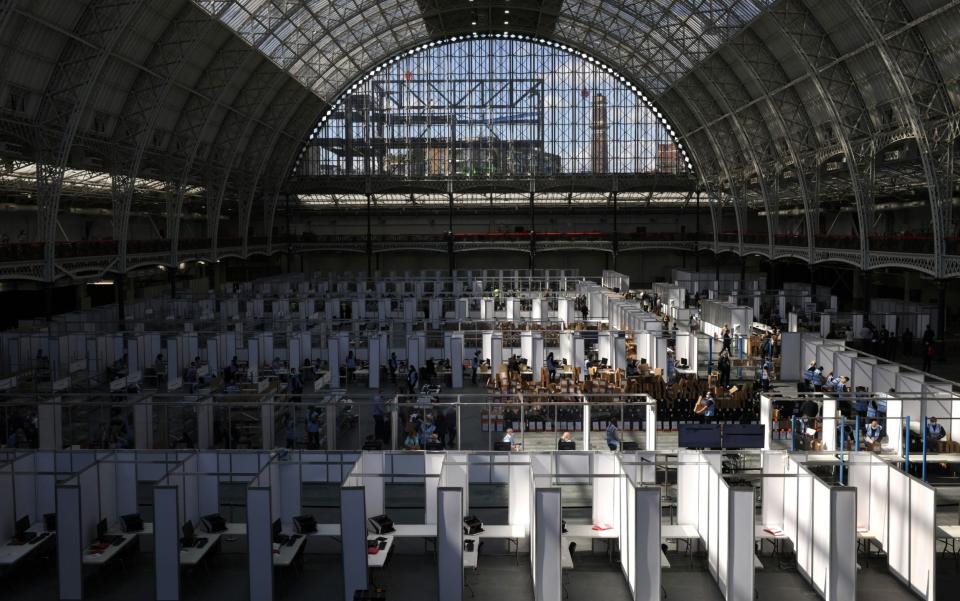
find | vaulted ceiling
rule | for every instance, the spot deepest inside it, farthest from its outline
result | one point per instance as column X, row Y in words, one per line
column 781, row 103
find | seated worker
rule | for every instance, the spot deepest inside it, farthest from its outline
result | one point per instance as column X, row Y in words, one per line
column 816, row 380
column 411, row 441
column 872, row 435
column 644, row 367
column 566, row 442
column 830, row 382
column 935, row 431
column 509, row 438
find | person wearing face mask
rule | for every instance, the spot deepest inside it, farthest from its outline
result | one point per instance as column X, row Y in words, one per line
column 872, row 435
column 935, row 431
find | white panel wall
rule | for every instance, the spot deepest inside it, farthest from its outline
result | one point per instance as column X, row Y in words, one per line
column 166, row 543
column 547, row 578
column 450, row 543
column 842, row 579
column 353, row 534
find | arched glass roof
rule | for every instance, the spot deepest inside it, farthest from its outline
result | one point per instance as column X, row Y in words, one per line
column 492, row 106
column 325, row 44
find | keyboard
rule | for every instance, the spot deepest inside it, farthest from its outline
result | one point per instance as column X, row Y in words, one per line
column 201, row 542
column 27, row 537
column 39, row 538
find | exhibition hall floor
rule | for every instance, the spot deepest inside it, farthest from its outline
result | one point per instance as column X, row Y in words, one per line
column 499, row 578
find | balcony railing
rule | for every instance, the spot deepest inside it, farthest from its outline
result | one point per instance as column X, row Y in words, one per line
column 910, row 251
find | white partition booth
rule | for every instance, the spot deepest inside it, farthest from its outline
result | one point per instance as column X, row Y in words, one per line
column 721, row 514
column 31, row 485
column 625, row 514
column 363, row 496
column 818, row 518
column 896, row 514
column 189, row 491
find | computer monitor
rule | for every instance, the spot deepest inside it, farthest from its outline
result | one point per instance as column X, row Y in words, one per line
column 21, row 527
column 502, row 446
column 434, row 446
column 699, row 436
column 566, row 445
column 277, row 528
column 187, row 530
column 101, row 528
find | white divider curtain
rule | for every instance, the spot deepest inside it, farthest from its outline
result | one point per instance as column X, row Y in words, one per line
column 606, row 485
column 911, row 553
column 166, row 543
column 70, row 541
column 449, row 503
column 353, row 533
column 898, row 512
column 260, row 515
column 548, row 581
column 823, row 529
column 723, row 516
column 639, row 525
column 454, row 474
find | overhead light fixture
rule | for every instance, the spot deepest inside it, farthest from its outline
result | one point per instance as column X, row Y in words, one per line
column 101, row 283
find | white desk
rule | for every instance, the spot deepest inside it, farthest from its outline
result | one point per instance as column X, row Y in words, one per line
column 762, row 533
column 428, row 532
column 284, row 555
column 471, row 557
column 192, row 556
column 587, row 531
column 566, row 558
column 327, row 530
column 688, row 533
column 414, row 531
column 510, row 533
column 949, row 535
column 144, row 535
column 97, row 557
column 379, row 559
column 12, row 552
column 865, row 539
column 679, row 532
